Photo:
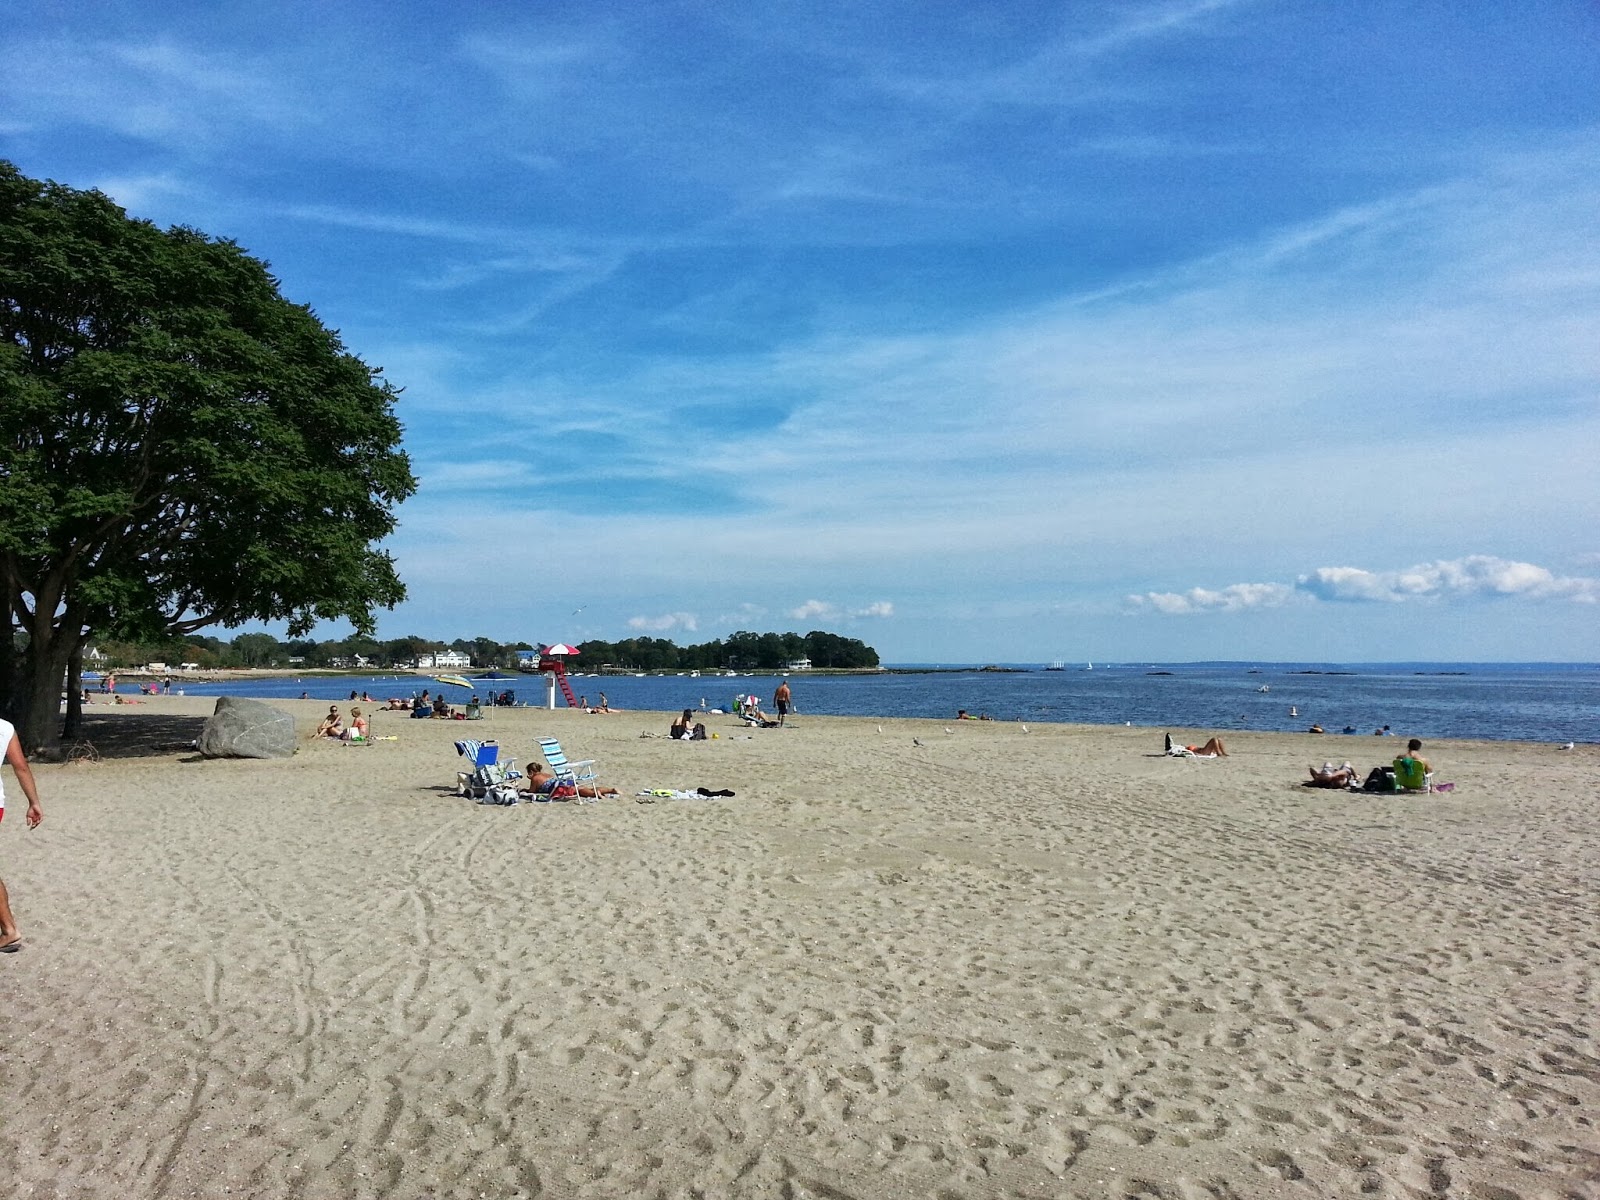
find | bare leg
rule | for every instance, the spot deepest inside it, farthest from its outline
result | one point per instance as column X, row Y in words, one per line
column 8, row 925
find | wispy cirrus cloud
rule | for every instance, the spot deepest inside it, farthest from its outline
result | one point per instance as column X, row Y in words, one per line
column 826, row 610
column 665, row 623
column 1236, row 597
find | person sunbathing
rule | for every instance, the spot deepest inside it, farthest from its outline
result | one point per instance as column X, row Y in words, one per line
column 332, row 725
column 542, row 783
column 1212, row 749
column 1330, row 776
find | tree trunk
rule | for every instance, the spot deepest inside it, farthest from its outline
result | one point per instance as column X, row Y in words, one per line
column 73, row 725
column 36, row 692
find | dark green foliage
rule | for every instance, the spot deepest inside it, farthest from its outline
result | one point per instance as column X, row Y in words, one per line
column 180, row 446
column 740, row 651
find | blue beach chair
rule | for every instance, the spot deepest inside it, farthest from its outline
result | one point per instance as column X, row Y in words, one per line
column 488, row 772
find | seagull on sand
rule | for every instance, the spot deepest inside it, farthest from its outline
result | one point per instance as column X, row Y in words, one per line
column 915, row 742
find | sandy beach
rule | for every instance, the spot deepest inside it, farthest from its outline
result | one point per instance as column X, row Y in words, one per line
column 996, row 964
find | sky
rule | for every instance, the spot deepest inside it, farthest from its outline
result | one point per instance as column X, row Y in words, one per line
column 1012, row 332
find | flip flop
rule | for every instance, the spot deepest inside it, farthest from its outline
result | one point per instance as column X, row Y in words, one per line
column 11, row 947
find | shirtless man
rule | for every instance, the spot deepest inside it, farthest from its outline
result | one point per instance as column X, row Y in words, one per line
column 780, row 700
column 10, row 938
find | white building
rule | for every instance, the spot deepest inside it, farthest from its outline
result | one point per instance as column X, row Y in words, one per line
column 444, row 659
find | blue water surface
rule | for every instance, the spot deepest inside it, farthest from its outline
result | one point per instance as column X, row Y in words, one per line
column 1520, row 702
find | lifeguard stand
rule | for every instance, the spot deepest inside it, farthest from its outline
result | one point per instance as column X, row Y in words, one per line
column 555, row 672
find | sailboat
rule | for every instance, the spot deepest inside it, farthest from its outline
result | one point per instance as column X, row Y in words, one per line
column 1090, row 667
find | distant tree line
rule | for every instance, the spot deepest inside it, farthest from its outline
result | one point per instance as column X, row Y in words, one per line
column 265, row 650
column 740, row 651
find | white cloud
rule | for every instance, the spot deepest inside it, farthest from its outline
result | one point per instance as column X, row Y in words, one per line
column 812, row 609
column 815, row 609
column 1233, row 598
column 1475, row 575
column 665, row 623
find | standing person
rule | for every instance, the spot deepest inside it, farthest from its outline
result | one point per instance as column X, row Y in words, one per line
column 780, row 700
column 10, row 939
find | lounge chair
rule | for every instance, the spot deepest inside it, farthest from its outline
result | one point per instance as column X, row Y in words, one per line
column 576, row 774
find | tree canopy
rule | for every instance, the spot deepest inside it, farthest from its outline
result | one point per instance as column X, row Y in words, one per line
column 180, row 446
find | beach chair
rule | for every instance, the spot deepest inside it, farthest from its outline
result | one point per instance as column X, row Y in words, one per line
column 1411, row 776
column 577, row 774
column 488, row 773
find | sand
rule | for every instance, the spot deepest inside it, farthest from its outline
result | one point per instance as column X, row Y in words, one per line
column 998, row 964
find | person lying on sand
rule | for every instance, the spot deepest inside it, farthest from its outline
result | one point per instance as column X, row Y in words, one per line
column 1212, row 749
column 1330, row 776
column 542, row 783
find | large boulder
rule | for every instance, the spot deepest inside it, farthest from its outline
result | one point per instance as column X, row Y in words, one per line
column 242, row 728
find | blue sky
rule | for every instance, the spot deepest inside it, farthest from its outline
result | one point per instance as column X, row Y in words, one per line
column 1001, row 332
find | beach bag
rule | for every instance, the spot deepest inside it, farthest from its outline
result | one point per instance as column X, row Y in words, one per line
column 1380, row 779
column 500, row 793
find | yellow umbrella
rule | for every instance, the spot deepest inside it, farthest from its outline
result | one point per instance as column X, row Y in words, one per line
column 455, row 681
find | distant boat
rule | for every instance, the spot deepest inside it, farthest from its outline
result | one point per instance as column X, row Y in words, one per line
column 1090, row 667
column 1263, row 688
column 1058, row 665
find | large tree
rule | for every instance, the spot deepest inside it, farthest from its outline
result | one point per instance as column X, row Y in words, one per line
column 180, row 446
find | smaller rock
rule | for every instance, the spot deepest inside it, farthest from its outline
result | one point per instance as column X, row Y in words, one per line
column 241, row 728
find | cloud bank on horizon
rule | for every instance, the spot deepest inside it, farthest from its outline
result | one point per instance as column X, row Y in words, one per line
column 975, row 334
column 1478, row 575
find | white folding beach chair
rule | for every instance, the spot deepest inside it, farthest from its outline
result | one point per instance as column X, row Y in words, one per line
column 566, row 771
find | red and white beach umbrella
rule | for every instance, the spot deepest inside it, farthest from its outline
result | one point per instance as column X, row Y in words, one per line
column 561, row 648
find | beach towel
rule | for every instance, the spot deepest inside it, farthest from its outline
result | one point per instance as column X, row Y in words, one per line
column 682, row 794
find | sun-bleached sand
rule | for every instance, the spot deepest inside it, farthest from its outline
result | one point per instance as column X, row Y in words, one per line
column 996, row 964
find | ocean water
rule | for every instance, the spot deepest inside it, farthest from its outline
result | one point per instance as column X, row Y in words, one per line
column 1516, row 702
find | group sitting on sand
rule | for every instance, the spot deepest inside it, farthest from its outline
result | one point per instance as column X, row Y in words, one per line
column 1409, row 773
column 333, row 726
